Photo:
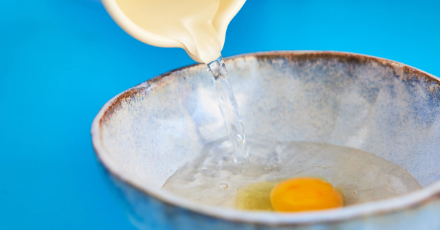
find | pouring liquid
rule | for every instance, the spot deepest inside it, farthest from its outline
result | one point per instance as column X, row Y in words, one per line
column 199, row 27
column 229, row 109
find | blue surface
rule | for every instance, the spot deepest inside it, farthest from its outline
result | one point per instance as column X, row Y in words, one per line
column 61, row 60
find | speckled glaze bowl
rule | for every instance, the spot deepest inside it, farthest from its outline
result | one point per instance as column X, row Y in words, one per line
column 143, row 135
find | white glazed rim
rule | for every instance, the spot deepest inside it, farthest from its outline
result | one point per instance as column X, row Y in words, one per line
column 411, row 200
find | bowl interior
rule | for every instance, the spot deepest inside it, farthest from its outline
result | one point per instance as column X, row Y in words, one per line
column 372, row 104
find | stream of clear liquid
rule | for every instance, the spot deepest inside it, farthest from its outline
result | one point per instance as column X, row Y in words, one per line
column 229, row 109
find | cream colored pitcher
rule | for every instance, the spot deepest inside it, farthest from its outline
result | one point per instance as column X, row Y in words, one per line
column 197, row 26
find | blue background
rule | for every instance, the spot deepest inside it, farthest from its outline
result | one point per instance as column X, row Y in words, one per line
column 61, row 60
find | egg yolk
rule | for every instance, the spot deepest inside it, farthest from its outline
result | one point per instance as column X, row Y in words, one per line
column 304, row 194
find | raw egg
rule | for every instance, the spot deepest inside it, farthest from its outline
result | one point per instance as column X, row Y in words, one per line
column 305, row 194
column 356, row 175
column 289, row 195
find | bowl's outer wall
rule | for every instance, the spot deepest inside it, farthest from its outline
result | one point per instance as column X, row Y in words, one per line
column 371, row 104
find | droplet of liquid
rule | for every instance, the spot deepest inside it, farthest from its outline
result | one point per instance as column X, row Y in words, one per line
column 223, row 186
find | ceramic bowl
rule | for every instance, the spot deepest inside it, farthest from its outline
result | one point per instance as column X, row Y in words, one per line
column 144, row 134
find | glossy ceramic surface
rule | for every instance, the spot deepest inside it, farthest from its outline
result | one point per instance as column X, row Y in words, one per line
column 143, row 135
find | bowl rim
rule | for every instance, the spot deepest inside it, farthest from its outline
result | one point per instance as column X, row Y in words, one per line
column 413, row 200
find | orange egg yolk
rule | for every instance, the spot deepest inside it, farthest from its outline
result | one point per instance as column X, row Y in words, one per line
column 304, row 194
